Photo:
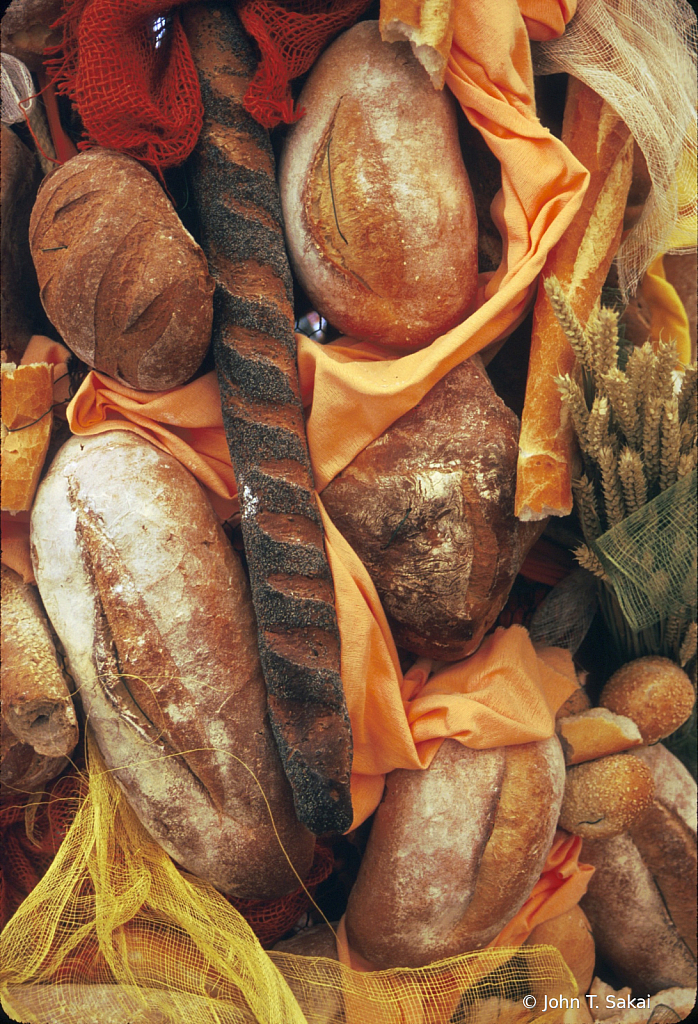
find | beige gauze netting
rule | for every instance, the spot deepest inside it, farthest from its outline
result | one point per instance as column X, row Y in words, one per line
column 640, row 56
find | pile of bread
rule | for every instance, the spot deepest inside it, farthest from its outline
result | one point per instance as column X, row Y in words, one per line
column 148, row 602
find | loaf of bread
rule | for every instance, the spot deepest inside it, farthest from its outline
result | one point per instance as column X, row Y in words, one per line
column 596, row 733
column 652, row 691
column 19, row 182
column 597, row 136
column 429, row 508
column 27, row 417
column 36, row 703
column 454, row 851
column 666, row 838
column 234, row 188
column 605, row 797
column 121, row 278
column 378, row 210
column 632, row 928
column 22, row 770
column 152, row 607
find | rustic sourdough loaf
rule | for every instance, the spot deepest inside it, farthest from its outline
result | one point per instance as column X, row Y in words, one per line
column 378, row 210
column 454, row 851
column 429, row 508
column 153, row 609
column 121, row 278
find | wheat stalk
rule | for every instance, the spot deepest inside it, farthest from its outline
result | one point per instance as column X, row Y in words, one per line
column 613, row 496
column 602, row 340
column 619, row 391
column 688, row 644
column 589, row 561
column 587, row 507
column 567, row 318
column 670, row 448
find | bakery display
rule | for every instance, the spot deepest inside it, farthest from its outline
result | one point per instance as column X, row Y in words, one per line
column 303, row 717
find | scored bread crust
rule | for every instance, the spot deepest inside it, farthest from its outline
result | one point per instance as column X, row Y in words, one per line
column 378, row 210
column 454, row 852
column 120, row 276
column 153, row 609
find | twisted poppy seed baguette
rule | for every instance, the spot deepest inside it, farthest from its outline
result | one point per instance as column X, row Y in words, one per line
column 235, row 190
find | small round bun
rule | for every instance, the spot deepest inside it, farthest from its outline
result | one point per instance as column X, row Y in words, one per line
column 654, row 692
column 604, row 797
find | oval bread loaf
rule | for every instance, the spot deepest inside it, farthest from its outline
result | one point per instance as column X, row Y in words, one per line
column 379, row 214
column 154, row 611
column 120, row 277
column 454, row 851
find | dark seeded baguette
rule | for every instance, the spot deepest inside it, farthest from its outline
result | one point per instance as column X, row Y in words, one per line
column 234, row 187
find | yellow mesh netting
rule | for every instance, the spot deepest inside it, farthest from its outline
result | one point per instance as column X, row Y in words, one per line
column 115, row 933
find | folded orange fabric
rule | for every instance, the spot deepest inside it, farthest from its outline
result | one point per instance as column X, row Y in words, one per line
column 15, row 528
column 186, row 421
column 562, row 884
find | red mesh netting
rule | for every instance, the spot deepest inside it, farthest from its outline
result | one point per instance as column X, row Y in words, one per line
column 270, row 919
column 26, row 860
column 132, row 96
column 291, row 35
column 143, row 99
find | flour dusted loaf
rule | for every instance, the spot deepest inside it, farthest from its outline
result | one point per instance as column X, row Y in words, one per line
column 153, row 609
column 429, row 508
column 641, row 900
column 454, row 851
column 121, row 278
column 379, row 214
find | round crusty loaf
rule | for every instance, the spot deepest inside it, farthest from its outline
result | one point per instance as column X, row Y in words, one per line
column 121, row 278
column 379, row 214
column 604, row 797
column 154, row 612
column 429, row 509
column 654, row 692
column 454, row 851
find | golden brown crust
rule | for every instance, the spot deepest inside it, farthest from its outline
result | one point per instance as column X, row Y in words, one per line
column 98, row 221
column 27, row 397
column 604, row 797
column 427, row 25
column 469, row 835
column 596, row 733
column 35, row 700
column 571, row 934
column 581, row 261
column 379, row 215
column 654, row 692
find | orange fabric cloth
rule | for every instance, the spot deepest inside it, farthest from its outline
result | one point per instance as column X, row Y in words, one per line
column 185, row 421
column 562, row 884
column 15, row 528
